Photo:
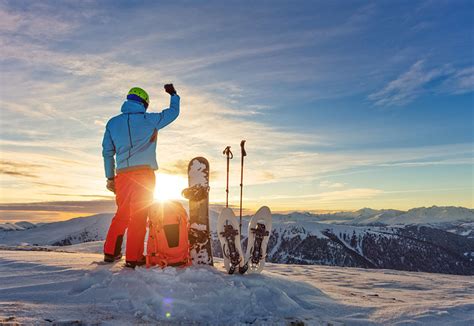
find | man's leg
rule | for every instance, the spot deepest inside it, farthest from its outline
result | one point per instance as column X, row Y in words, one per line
column 113, row 242
column 140, row 202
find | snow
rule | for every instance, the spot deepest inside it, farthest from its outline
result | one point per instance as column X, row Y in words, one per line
column 62, row 287
column 18, row 226
column 200, row 227
column 197, row 174
column 76, row 230
column 420, row 215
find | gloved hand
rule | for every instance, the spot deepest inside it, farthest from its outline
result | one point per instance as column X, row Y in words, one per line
column 111, row 185
column 169, row 88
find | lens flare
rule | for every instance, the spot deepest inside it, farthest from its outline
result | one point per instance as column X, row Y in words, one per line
column 169, row 187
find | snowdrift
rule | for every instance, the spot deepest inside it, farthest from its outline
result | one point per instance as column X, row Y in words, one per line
column 68, row 289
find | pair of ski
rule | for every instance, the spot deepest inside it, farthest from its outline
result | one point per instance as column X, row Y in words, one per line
column 259, row 229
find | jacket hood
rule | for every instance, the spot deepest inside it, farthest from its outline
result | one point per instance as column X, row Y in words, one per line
column 130, row 106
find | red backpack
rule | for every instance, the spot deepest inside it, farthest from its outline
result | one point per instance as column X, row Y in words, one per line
column 168, row 243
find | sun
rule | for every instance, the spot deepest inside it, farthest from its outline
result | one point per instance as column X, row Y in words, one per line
column 169, row 187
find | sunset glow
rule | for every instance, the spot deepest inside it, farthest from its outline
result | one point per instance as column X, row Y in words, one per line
column 335, row 116
column 169, row 187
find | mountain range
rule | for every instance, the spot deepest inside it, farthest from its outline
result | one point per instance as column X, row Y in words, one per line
column 434, row 239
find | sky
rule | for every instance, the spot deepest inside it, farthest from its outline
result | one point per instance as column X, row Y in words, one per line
column 344, row 104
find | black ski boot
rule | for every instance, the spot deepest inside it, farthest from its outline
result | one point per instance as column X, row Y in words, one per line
column 112, row 258
column 133, row 264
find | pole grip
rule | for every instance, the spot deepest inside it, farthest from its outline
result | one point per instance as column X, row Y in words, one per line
column 228, row 153
column 242, row 147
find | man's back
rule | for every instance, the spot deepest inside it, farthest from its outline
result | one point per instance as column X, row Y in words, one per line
column 132, row 135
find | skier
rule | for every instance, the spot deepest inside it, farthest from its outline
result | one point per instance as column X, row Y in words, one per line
column 131, row 137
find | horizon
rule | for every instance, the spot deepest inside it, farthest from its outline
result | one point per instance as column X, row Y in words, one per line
column 247, row 213
column 366, row 104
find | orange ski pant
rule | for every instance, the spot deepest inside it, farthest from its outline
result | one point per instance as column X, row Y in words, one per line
column 134, row 195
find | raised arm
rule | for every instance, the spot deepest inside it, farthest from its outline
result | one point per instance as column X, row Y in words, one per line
column 170, row 114
column 165, row 117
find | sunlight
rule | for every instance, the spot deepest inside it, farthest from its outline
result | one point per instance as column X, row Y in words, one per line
column 169, row 187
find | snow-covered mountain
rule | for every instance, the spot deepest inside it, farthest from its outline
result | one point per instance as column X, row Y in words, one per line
column 410, row 247
column 421, row 215
column 76, row 230
column 304, row 238
column 18, row 226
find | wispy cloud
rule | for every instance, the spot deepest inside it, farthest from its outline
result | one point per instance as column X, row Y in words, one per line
column 460, row 82
column 329, row 184
column 19, row 169
column 34, row 24
column 92, row 206
column 333, row 196
column 407, row 86
column 416, row 82
column 53, row 210
column 179, row 167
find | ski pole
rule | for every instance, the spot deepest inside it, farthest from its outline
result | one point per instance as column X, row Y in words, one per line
column 243, row 154
column 230, row 156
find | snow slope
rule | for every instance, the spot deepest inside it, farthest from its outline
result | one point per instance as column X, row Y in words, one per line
column 421, row 215
column 76, row 230
column 65, row 288
column 18, row 226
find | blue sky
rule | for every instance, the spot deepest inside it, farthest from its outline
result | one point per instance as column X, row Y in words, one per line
column 344, row 104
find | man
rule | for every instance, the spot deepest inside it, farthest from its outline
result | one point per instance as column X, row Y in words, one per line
column 131, row 137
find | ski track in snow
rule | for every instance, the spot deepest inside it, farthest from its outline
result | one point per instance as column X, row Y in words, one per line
column 38, row 286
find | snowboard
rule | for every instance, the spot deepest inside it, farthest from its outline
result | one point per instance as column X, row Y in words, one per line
column 229, row 237
column 198, row 196
column 259, row 229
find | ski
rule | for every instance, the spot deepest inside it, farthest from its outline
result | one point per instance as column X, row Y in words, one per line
column 229, row 237
column 198, row 196
column 259, row 229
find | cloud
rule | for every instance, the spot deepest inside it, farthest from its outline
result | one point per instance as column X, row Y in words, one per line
column 267, row 175
column 329, row 184
column 109, row 197
column 92, row 206
column 447, row 161
column 34, row 24
column 34, row 217
column 179, row 167
column 407, row 86
column 332, row 196
column 17, row 174
column 417, row 80
column 19, row 169
column 460, row 82
column 100, row 123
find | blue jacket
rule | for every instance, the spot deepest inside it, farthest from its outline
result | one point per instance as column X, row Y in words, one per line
column 132, row 135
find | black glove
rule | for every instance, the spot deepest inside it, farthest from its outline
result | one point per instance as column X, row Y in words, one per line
column 169, row 88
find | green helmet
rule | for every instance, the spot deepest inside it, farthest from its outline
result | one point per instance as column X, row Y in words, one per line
column 139, row 94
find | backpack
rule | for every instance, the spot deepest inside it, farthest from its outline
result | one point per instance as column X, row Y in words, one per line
column 168, row 243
